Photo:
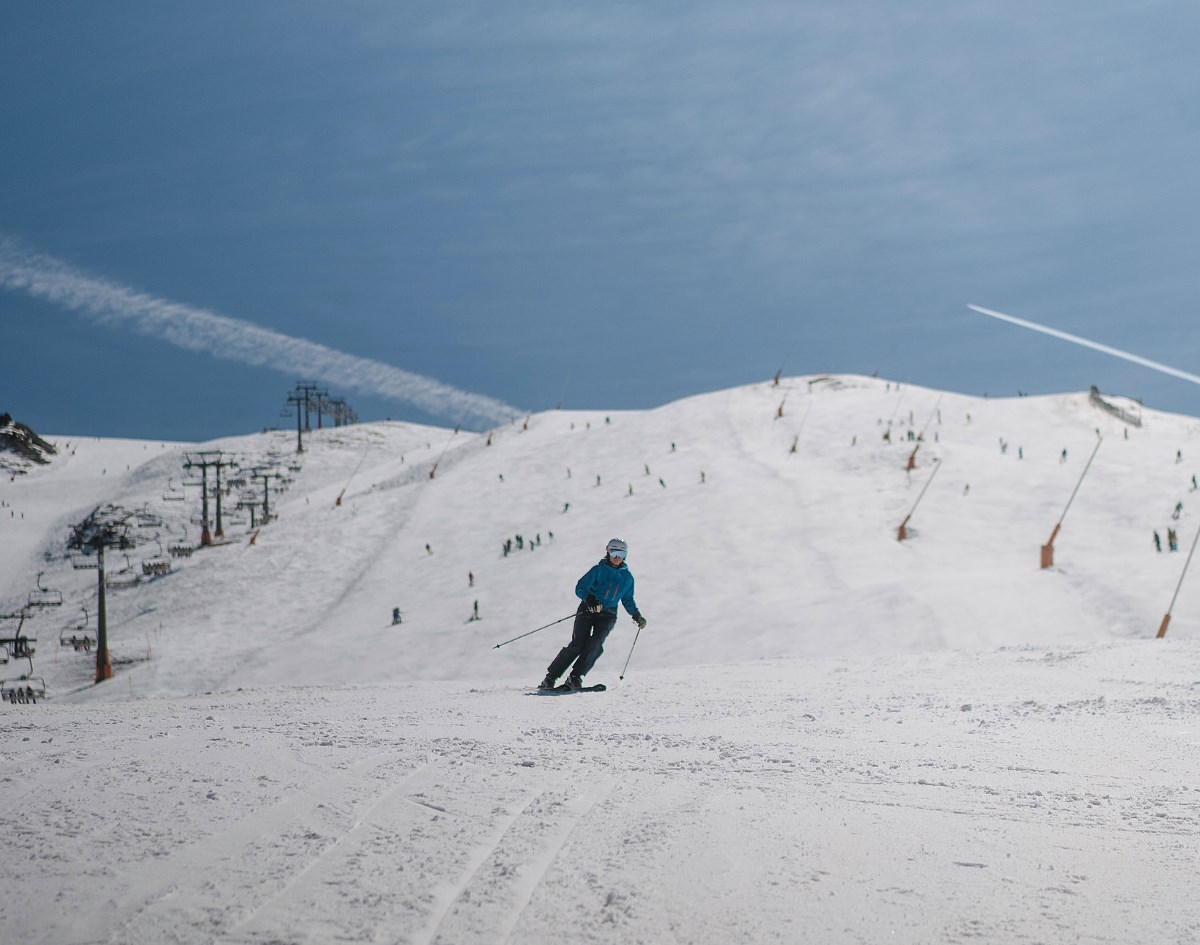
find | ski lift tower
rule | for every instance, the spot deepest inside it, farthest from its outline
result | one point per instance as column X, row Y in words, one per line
column 106, row 527
column 299, row 400
column 214, row 459
column 308, row 391
column 266, row 474
column 323, row 404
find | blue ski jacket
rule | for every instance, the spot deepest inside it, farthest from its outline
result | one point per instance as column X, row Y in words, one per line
column 608, row 585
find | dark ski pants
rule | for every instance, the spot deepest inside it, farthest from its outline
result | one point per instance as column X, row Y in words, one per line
column 587, row 642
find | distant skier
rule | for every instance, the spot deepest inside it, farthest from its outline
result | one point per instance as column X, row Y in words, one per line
column 1157, row 541
column 600, row 590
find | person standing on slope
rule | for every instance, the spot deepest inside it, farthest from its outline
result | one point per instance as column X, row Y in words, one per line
column 600, row 590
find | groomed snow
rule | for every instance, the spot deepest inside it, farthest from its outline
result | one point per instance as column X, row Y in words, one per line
column 824, row 734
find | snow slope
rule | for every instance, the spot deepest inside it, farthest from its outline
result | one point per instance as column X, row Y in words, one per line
column 824, row 735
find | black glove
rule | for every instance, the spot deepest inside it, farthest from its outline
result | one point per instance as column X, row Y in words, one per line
column 593, row 605
column 640, row 621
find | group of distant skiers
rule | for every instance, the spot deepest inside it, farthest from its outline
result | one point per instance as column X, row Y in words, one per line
column 518, row 542
column 1172, row 540
column 1172, row 535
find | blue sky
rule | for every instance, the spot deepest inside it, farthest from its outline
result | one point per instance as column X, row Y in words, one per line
column 614, row 205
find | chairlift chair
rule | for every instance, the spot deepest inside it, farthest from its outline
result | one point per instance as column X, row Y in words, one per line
column 172, row 494
column 18, row 648
column 157, row 566
column 24, row 689
column 44, row 596
column 181, row 548
column 81, row 638
column 85, row 562
column 148, row 519
column 126, row 577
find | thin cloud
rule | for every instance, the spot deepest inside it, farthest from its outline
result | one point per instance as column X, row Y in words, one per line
column 196, row 329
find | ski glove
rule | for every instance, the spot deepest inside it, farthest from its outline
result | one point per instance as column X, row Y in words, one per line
column 593, row 605
column 640, row 621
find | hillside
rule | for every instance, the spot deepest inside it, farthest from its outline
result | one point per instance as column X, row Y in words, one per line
column 775, row 553
column 824, row 734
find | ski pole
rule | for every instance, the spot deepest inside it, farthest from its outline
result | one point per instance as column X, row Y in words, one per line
column 630, row 656
column 514, row 639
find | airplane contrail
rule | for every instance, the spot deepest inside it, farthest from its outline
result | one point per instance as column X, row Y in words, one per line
column 196, row 329
column 1095, row 345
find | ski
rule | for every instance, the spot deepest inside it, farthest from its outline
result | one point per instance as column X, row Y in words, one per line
column 565, row 690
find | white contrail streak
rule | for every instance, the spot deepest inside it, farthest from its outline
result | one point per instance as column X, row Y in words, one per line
column 195, row 329
column 1095, row 345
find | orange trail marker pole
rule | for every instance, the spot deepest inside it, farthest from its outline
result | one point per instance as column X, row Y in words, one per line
column 1047, row 560
column 902, row 533
column 1162, row 629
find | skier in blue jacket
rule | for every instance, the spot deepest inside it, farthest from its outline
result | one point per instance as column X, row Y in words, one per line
column 600, row 590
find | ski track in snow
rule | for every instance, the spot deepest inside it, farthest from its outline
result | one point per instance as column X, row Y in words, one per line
column 754, row 809
column 825, row 735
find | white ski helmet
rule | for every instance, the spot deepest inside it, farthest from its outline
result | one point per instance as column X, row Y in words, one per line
column 617, row 548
